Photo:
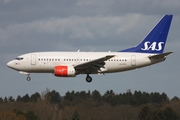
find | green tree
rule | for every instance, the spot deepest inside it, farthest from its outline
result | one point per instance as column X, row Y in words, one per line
column 75, row 115
column 111, row 98
column 69, row 96
column 96, row 95
column 9, row 115
column 169, row 114
column 89, row 94
column 175, row 99
column 164, row 97
column 30, row 115
column 157, row 115
column 145, row 98
column 129, row 99
column 25, row 98
column 34, row 97
column 53, row 97
column 5, row 100
column 145, row 113
column 18, row 99
column 137, row 97
column 83, row 95
column 1, row 100
column 18, row 112
column 11, row 99
column 158, row 98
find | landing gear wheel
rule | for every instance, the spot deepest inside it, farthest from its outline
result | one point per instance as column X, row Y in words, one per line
column 88, row 79
column 28, row 78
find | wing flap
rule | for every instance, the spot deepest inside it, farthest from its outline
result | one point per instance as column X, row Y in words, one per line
column 95, row 64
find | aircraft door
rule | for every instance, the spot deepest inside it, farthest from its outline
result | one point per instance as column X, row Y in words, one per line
column 33, row 59
column 133, row 60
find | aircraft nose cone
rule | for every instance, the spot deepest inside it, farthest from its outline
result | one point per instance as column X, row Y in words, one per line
column 10, row 64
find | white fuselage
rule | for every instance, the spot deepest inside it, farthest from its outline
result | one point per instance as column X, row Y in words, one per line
column 69, row 64
column 45, row 62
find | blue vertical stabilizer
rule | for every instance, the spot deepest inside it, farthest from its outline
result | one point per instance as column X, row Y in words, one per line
column 155, row 41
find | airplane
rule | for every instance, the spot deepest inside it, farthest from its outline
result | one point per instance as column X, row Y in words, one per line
column 69, row 64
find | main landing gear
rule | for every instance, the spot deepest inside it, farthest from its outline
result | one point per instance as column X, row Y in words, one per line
column 88, row 78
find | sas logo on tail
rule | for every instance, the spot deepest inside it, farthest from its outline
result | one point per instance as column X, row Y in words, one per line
column 154, row 46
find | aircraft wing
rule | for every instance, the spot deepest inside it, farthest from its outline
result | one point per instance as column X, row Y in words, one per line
column 160, row 55
column 93, row 65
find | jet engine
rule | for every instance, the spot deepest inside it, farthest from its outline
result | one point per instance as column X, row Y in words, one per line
column 64, row 71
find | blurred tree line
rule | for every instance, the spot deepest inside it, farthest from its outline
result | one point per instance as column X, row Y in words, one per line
column 128, row 98
column 82, row 105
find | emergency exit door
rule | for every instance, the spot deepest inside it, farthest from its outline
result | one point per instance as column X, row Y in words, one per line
column 33, row 59
column 133, row 60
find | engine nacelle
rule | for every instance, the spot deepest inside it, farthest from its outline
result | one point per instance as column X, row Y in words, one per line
column 64, row 71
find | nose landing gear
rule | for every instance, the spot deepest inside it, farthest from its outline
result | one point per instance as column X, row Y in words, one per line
column 28, row 78
column 26, row 73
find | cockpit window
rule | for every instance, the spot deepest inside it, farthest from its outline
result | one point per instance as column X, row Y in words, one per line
column 19, row 58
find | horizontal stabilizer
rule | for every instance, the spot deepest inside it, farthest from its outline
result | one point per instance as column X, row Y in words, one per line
column 160, row 55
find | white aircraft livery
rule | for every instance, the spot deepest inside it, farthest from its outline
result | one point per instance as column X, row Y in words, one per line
column 70, row 64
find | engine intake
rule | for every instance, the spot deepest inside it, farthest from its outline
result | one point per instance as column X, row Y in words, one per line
column 64, row 71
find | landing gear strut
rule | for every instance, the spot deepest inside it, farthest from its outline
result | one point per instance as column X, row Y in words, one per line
column 28, row 78
column 88, row 78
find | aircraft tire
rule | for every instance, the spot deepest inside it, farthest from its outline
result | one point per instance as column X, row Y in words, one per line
column 28, row 78
column 88, row 79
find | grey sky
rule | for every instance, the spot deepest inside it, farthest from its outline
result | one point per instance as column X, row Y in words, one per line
column 95, row 25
